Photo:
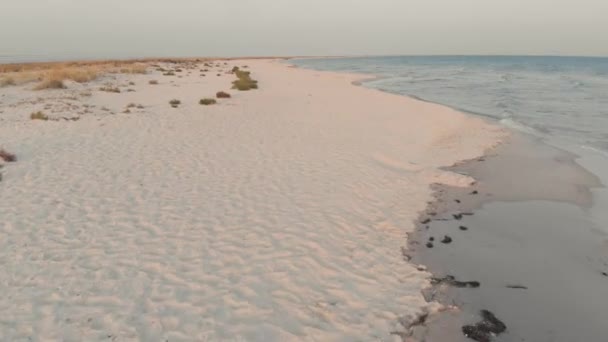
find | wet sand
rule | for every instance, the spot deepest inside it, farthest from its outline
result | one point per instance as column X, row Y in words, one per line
column 523, row 231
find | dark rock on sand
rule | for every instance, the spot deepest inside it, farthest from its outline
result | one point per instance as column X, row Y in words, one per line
column 450, row 280
column 446, row 239
column 474, row 192
column 425, row 221
column 457, row 216
column 432, row 238
column 463, row 228
column 605, row 274
column 517, row 287
column 484, row 330
column 457, row 200
column 429, row 245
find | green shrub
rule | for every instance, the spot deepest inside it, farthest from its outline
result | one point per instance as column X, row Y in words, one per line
column 222, row 95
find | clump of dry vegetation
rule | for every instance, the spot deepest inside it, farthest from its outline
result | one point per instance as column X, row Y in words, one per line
column 7, row 156
column 153, row 82
column 207, row 102
column 7, row 81
column 169, row 73
column 174, row 103
column 39, row 115
column 244, row 81
column 222, row 95
column 50, row 84
column 110, row 89
column 134, row 69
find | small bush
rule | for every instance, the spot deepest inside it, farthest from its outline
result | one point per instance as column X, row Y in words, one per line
column 244, row 82
column 50, row 84
column 7, row 157
column 222, row 95
column 169, row 73
column 235, row 69
column 132, row 83
column 140, row 106
column 244, row 85
column 131, row 105
column 39, row 116
column 153, row 82
column 174, row 103
column 207, row 102
column 127, row 111
column 110, row 89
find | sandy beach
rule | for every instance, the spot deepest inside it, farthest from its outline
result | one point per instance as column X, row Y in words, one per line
column 279, row 214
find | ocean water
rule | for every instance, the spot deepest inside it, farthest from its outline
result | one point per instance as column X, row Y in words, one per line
column 563, row 100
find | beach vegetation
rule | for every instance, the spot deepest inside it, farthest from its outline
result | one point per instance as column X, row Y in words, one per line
column 175, row 102
column 7, row 81
column 50, row 84
column 207, row 102
column 110, row 89
column 153, row 82
column 39, row 115
column 7, row 156
column 222, row 95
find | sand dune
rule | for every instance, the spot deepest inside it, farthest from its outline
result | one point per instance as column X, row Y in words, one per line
column 277, row 215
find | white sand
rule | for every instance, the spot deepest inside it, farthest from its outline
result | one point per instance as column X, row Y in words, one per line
column 277, row 215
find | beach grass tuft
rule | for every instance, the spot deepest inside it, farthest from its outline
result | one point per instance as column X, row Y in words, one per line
column 50, row 84
column 207, row 102
column 175, row 102
column 7, row 81
column 110, row 89
column 39, row 115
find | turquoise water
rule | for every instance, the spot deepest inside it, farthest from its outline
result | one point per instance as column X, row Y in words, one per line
column 561, row 99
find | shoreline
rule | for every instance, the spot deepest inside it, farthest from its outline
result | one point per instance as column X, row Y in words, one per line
column 458, row 311
column 464, row 286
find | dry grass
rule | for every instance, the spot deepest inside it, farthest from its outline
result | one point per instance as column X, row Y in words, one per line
column 6, row 156
column 50, row 84
column 153, row 82
column 207, row 102
column 134, row 69
column 39, row 116
column 174, row 103
column 222, row 95
column 7, row 81
column 110, row 89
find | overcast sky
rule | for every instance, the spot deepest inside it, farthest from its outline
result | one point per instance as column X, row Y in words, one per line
column 137, row 28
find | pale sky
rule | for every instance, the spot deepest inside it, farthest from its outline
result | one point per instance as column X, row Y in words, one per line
column 139, row 28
